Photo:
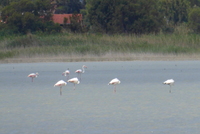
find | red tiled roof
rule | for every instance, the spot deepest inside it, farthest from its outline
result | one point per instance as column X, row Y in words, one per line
column 59, row 18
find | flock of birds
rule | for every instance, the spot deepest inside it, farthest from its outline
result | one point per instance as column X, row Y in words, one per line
column 75, row 80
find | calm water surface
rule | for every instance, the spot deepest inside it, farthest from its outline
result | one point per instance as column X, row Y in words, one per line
column 141, row 105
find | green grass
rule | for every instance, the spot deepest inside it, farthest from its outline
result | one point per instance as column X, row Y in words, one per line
column 97, row 45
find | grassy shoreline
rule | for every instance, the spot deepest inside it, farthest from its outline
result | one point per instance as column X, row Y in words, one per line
column 106, row 57
column 70, row 47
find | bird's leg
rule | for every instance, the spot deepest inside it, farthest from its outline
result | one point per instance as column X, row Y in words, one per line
column 115, row 89
column 170, row 89
column 60, row 90
column 32, row 79
column 74, row 86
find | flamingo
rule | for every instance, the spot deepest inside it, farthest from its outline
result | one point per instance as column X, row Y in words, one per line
column 169, row 82
column 33, row 75
column 114, row 82
column 60, row 84
column 74, row 80
column 80, row 71
column 66, row 73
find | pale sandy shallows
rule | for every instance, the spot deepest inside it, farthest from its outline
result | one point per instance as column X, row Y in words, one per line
column 106, row 57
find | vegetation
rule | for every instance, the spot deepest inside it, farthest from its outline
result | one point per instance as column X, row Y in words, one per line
column 99, row 16
column 194, row 20
column 41, row 45
column 33, row 16
column 117, row 16
column 68, row 6
column 108, row 26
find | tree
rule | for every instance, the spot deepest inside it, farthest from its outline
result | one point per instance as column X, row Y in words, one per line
column 43, row 8
column 7, row 2
column 194, row 19
column 68, row 6
column 100, row 15
column 87, row 4
column 31, row 17
column 76, row 24
column 13, row 14
column 129, row 16
column 194, row 3
column 175, row 11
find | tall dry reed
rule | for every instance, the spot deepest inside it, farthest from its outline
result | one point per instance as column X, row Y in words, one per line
column 98, row 45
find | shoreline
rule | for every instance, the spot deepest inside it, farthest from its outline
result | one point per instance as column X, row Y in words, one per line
column 106, row 57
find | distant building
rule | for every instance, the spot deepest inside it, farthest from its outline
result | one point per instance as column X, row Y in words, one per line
column 59, row 18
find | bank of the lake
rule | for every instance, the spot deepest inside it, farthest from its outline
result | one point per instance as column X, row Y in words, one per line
column 106, row 57
column 70, row 47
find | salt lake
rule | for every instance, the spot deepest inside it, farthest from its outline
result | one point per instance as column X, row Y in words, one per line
column 141, row 105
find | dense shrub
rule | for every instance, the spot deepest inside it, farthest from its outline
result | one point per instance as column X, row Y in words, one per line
column 194, row 19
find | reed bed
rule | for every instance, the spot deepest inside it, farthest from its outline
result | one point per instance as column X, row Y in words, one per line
column 93, row 47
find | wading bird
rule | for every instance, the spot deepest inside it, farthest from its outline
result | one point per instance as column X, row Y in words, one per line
column 60, row 84
column 169, row 82
column 114, row 82
column 33, row 75
column 66, row 73
column 80, row 71
column 74, row 81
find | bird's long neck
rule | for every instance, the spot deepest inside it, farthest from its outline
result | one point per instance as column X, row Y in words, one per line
column 83, row 70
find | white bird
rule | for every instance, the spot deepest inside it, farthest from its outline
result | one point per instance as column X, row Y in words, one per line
column 80, row 71
column 33, row 75
column 74, row 81
column 60, row 84
column 114, row 82
column 169, row 82
column 66, row 73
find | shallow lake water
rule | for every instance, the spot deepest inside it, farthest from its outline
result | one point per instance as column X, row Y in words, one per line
column 141, row 104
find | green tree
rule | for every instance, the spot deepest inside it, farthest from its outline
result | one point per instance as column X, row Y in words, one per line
column 32, row 16
column 7, row 2
column 129, row 16
column 68, row 6
column 13, row 14
column 43, row 8
column 175, row 11
column 76, row 24
column 194, row 3
column 4, row 2
column 85, row 12
column 194, row 19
